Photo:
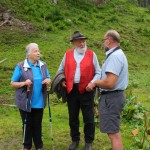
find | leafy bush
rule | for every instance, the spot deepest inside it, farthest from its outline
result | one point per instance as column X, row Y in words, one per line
column 140, row 19
column 63, row 24
column 50, row 27
column 76, row 21
column 133, row 110
column 133, row 1
column 126, row 45
column 113, row 18
column 144, row 31
column 92, row 23
column 57, row 14
column 136, row 114
column 83, row 18
column 142, row 138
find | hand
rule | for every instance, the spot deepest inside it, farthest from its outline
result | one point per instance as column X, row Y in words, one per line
column 63, row 84
column 47, row 81
column 28, row 82
column 90, row 87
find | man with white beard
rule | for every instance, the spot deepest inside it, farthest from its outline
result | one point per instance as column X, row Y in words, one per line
column 80, row 68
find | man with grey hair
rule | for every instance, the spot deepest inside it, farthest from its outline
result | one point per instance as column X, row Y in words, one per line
column 113, row 82
column 34, row 74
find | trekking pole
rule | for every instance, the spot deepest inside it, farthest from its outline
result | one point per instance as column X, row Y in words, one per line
column 50, row 119
column 25, row 119
column 3, row 60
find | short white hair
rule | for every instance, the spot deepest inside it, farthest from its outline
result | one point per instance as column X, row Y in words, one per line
column 29, row 48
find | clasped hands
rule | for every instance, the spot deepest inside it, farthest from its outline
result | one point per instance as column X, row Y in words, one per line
column 89, row 87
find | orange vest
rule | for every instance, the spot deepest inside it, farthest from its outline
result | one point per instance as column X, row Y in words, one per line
column 86, row 70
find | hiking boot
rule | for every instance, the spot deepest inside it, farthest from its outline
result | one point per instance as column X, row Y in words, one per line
column 88, row 146
column 74, row 145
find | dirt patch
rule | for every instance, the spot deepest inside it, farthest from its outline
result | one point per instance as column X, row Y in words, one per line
column 7, row 20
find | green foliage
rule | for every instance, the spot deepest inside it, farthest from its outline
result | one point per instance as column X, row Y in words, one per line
column 56, row 15
column 113, row 19
column 53, row 25
column 133, row 1
column 142, row 138
column 76, row 21
column 63, row 24
column 133, row 110
column 96, row 111
column 92, row 24
column 50, row 27
column 144, row 31
column 126, row 44
column 140, row 18
column 137, row 115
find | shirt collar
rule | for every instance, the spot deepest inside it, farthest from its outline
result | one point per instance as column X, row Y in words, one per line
column 28, row 64
column 110, row 50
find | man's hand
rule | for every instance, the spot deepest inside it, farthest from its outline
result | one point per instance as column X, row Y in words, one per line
column 90, row 87
column 63, row 84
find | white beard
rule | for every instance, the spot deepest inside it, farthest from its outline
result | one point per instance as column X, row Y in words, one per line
column 81, row 50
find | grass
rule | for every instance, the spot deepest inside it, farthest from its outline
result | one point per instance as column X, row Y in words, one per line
column 10, row 122
column 53, row 37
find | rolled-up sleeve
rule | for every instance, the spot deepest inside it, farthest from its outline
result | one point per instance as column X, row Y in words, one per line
column 97, row 69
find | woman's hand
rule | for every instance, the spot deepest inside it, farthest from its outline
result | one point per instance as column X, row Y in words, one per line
column 21, row 84
column 28, row 82
column 47, row 81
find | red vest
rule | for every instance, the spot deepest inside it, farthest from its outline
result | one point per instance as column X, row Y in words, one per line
column 86, row 70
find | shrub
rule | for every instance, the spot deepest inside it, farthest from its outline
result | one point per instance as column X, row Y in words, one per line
column 50, row 27
column 83, row 18
column 92, row 23
column 76, row 21
column 113, row 18
column 140, row 19
column 142, row 138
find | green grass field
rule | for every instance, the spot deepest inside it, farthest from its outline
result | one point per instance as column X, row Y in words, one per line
column 52, row 35
column 11, row 130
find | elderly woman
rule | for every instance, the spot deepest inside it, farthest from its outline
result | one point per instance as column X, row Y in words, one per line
column 34, row 74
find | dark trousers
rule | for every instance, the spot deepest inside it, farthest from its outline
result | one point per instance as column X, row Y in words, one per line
column 85, row 102
column 33, row 129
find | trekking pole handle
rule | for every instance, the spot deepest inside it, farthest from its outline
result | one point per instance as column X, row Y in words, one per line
column 47, row 88
column 28, row 88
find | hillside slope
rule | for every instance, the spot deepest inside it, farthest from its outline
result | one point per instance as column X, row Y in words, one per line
column 51, row 27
